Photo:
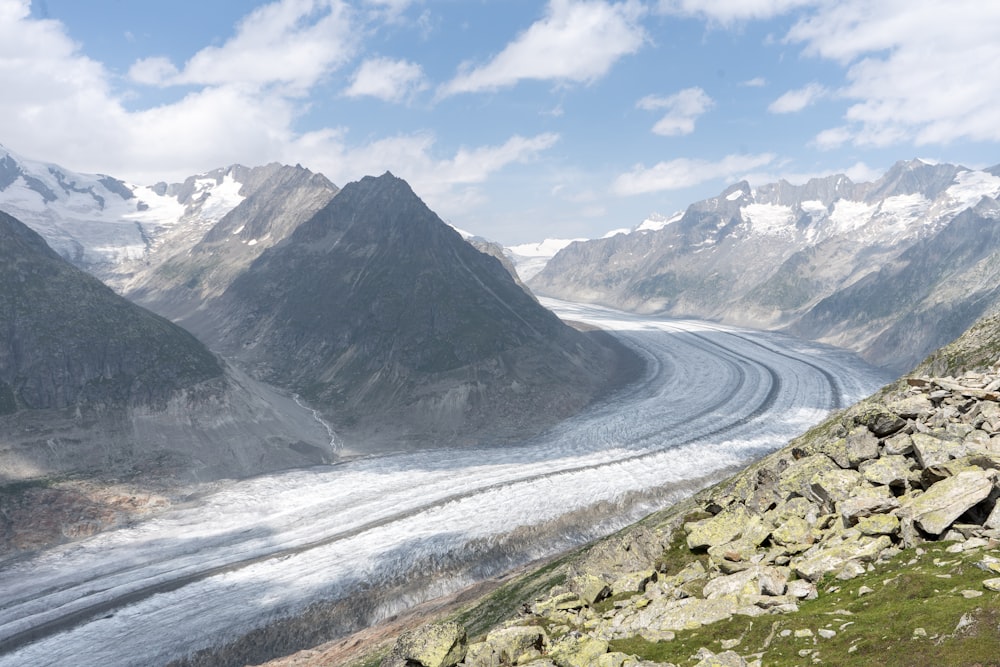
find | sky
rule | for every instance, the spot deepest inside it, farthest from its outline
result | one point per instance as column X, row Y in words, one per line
column 514, row 120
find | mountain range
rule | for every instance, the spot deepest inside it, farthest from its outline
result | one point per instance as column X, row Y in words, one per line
column 361, row 303
column 891, row 269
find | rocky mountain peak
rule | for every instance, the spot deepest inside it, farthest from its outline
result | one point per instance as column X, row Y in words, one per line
column 384, row 318
column 908, row 177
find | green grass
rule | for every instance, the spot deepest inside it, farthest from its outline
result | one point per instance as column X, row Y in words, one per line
column 879, row 626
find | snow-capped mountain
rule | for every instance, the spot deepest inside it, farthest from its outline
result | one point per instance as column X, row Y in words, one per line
column 779, row 255
column 530, row 258
column 99, row 222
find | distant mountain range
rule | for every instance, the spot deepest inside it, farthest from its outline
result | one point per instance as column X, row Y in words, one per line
column 892, row 269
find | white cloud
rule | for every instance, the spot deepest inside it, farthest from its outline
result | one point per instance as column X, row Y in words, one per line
column 729, row 11
column 447, row 184
column 684, row 173
column 683, row 108
column 756, row 82
column 291, row 43
column 797, row 100
column 387, row 79
column 577, row 41
column 917, row 70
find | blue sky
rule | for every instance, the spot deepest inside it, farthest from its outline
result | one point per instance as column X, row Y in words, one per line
column 512, row 119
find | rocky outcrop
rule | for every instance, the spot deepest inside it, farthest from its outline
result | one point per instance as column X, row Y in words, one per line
column 913, row 466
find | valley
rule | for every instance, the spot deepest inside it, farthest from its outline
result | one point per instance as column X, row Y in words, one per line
column 228, row 571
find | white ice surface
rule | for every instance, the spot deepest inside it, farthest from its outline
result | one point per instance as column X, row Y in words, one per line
column 265, row 548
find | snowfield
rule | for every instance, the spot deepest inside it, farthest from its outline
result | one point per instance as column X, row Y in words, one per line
column 422, row 524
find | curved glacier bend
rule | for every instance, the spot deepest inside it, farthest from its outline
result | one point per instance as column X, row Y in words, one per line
column 264, row 549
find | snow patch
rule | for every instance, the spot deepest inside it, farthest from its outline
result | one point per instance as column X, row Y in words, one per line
column 656, row 222
column 770, row 219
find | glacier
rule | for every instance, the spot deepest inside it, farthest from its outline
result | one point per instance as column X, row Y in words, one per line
column 388, row 532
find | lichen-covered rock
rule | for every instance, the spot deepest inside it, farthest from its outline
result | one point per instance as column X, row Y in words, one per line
column 931, row 451
column 832, row 486
column 724, row 527
column 589, row 588
column 947, row 500
column 577, row 650
column 830, row 559
column 724, row 659
column 867, row 500
column 516, row 645
column 878, row 524
column 796, row 478
column 887, row 470
column 439, row 645
column 862, row 445
column 633, row 582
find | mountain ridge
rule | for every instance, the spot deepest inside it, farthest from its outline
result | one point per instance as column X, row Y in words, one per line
column 778, row 255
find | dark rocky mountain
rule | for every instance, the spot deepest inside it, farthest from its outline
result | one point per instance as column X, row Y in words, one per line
column 892, row 269
column 400, row 332
column 90, row 383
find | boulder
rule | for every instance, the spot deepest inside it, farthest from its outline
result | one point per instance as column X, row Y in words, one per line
column 589, row 588
column 878, row 524
column 866, row 501
column 793, row 531
column 833, row 558
column 862, row 445
column 633, row 582
column 912, row 407
column 945, row 501
column 724, row 659
column 900, row 444
column 438, row 645
column 832, row 486
column 931, row 451
column 516, row 645
column 881, row 422
column 577, row 650
column 887, row 470
column 724, row 527
column 796, row 478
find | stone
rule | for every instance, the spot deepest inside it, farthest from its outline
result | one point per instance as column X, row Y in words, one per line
column 794, row 530
column 912, row 407
column 887, row 470
column 802, row 589
column 832, row 486
column 633, row 582
column 832, row 558
column 900, row 444
column 724, row 659
column 931, row 451
column 968, row 595
column 510, row 644
column 724, row 527
column 827, row 633
column 865, row 590
column 866, row 501
column 795, row 479
column 803, row 633
column 589, row 588
column 862, row 445
column 945, row 501
column 851, row 570
column 881, row 421
column 437, row 645
column 878, row 524
column 576, row 650
column 992, row 584
column 559, row 602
